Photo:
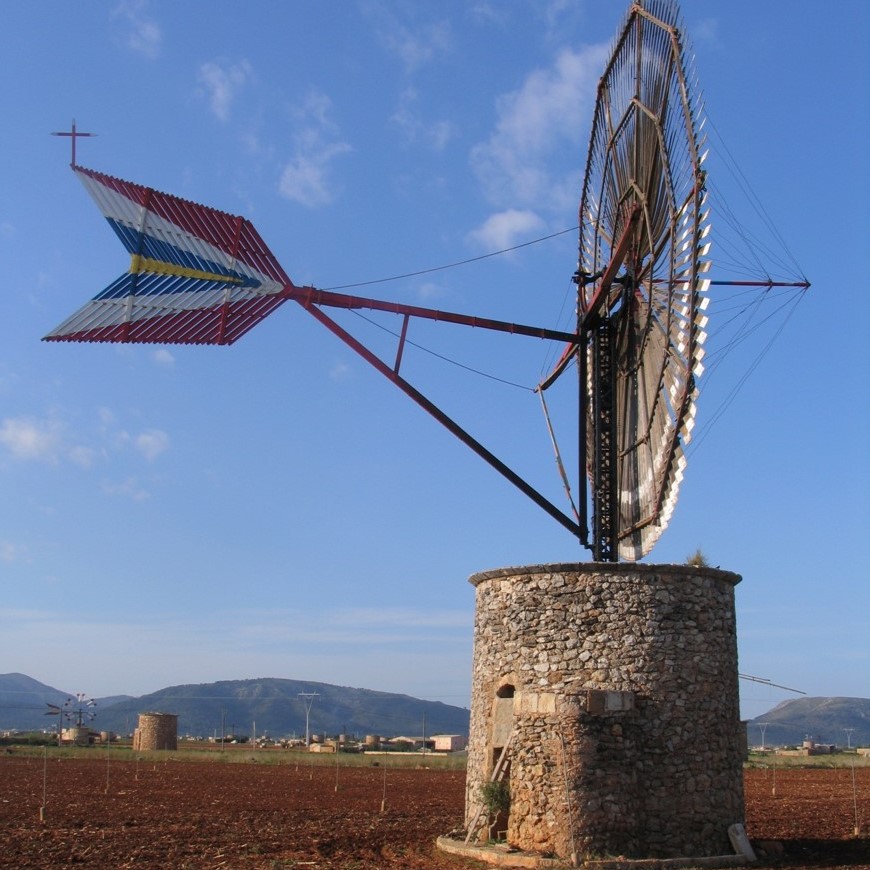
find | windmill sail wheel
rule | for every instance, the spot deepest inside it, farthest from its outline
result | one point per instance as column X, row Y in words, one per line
column 642, row 257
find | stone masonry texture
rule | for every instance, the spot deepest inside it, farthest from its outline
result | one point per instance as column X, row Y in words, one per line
column 619, row 684
column 156, row 731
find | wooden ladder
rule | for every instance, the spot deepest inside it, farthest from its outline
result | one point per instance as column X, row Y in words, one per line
column 497, row 775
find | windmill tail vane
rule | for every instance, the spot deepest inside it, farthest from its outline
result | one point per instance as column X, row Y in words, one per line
column 198, row 275
column 202, row 276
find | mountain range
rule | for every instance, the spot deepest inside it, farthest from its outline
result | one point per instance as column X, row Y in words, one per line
column 842, row 721
column 272, row 706
column 277, row 707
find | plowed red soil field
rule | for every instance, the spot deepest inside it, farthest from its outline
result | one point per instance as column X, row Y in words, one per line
column 811, row 814
column 181, row 814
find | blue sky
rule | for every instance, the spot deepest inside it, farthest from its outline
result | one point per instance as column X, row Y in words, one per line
column 276, row 508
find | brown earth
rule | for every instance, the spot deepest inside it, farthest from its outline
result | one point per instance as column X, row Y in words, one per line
column 182, row 814
column 811, row 814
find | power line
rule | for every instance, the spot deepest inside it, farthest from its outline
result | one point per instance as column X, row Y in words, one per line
column 455, row 264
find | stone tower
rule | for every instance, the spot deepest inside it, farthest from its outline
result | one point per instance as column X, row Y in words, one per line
column 614, row 688
column 156, row 731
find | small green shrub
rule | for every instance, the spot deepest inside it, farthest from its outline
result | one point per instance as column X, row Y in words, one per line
column 496, row 797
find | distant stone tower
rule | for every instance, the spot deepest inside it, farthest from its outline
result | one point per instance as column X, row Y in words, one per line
column 156, row 731
column 613, row 692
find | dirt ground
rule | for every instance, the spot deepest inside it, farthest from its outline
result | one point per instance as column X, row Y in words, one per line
column 811, row 813
column 181, row 814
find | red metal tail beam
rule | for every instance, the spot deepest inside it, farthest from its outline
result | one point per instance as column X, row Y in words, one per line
column 307, row 296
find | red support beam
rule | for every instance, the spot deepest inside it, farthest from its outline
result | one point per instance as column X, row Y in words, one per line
column 306, row 296
column 454, row 428
column 616, row 260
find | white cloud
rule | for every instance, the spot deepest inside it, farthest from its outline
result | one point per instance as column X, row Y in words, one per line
column 82, row 455
column 31, row 439
column 430, row 290
column 144, row 35
column 163, row 357
column 27, row 438
column 505, row 229
column 307, row 175
column 556, row 9
column 550, row 111
column 414, row 44
column 127, row 488
column 484, row 12
column 435, row 134
column 152, row 443
column 223, row 84
column 706, row 30
column 341, row 371
column 10, row 552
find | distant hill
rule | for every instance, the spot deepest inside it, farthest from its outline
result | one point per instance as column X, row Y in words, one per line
column 273, row 704
column 102, row 703
column 826, row 720
column 23, row 699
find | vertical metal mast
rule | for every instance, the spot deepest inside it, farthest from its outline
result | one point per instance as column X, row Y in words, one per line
column 605, row 515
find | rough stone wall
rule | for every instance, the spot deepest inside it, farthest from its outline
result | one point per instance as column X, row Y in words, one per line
column 156, row 731
column 625, row 707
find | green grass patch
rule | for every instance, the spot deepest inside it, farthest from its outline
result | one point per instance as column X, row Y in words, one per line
column 245, row 755
column 834, row 760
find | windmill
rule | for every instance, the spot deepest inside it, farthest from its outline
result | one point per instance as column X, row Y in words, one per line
column 652, row 696
column 77, row 710
column 198, row 275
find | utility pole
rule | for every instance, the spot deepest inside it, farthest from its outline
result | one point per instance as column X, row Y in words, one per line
column 308, row 700
column 848, row 737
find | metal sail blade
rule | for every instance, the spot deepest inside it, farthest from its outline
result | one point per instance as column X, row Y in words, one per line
column 644, row 180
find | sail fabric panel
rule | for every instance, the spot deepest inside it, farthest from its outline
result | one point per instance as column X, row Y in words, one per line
column 197, row 275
